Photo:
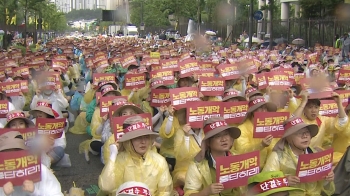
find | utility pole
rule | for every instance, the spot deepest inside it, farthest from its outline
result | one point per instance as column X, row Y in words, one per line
column 251, row 7
column 271, row 7
column 25, row 24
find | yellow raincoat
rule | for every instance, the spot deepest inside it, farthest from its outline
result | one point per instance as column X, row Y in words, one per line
column 286, row 162
column 199, row 176
column 129, row 166
column 246, row 143
column 167, row 146
column 340, row 143
column 328, row 126
column 183, row 155
column 95, row 123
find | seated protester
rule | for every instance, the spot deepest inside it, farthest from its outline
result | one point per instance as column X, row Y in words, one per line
column 49, row 185
column 201, row 174
column 11, row 107
column 252, row 92
column 264, row 184
column 309, row 109
column 133, row 189
column 134, row 160
column 94, row 145
column 20, row 100
column 54, row 96
column 16, row 119
column 57, row 155
column 284, row 157
column 90, row 109
column 247, row 143
column 126, row 109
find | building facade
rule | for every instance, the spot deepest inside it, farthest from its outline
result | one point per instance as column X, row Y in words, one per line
column 69, row 5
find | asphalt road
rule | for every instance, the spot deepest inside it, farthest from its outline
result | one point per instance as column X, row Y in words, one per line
column 83, row 174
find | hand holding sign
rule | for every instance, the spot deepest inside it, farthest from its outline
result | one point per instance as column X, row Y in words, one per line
column 267, row 141
column 28, row 186
column 214, row 189
column 293, row 180
column 186, row 128
column 8, row 188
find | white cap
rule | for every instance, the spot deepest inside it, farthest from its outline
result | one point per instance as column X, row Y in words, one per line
column 133, row 188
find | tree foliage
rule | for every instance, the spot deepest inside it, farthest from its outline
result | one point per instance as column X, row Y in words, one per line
column 320, row 8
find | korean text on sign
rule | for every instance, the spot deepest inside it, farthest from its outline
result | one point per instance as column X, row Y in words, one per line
column 18, row 166
column 4, row 108
column 269, row 123
column 180, row 96
column 313, row 167
column 52, row 127
column 199, row 111
column 235, row 112
column 135, row 81
column 117, row 123
column 103, row 77
column 328, row 108
column 234, row 171
column 210, row 86
column 160, row 97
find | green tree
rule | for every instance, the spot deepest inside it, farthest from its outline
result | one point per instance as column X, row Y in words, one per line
column 319, row 8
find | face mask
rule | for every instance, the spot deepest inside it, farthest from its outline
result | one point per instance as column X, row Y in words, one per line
column 48, row 92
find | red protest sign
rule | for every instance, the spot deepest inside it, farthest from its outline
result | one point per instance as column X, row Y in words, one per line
column 114, row 107
column 229, row 71
column 328, row 108
column 167, row 76
column 98, row 96
column 188, row 67
column 160, row 97
column 199, row 111
column 8, row 71
column 106, row 102
column 298, row 77
column 4, row 108
column 98, row 58
column 209, row 74
column 207, row 66
column 325, row 93
column 278, row 80
column 210, row 86
column 24, row 86
column 290, row 73
column 102, row 63
column 10, row 63
column 261, row 81
column 344, row 96
column 11, row 88
column 52, row 127
column 18, row 166
column 49, row 79
column 180, row 96
column 269, row 123
column 235, row 112
column 36, row 66
column 234, row 171
column 103, row 77
column 170, row 64
column 135, row 80
column 313, row 167
column 2, row 74
column 21, row 71
column 248, row 66
column 117, row 124
column 128, row 60
column 344, row 76
column 60, row 64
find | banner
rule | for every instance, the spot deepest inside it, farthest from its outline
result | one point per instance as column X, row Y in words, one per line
column 344, row 76
column 52, row 127
column 11, row 88
column 234, row 171
column 180, row 96
column 344, row 95
column 127, row 61
column 160, row 97
column 170, row 64
column 21, row 71
column 167, row 76
column 117, row 124
column 313, row 167
column 235, row 112
column 229, row 71
column 135, row 81
column 106, row 102
column 199, row 111
column 211, row 86
column 18, row 166
column 188, row 67
column 269, row 123
column 4, row 108
column 102, row 77
column 328, row 108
